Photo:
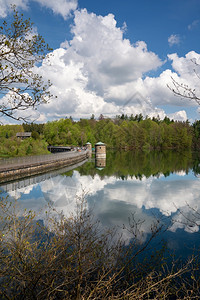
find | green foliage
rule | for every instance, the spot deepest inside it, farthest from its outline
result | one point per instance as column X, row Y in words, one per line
column 33, row 127
column 17, row 147
column 196, row 127
column 122, row 133
column 9, row 131
column 11, row 146
column 133, row 133
column 139, row 164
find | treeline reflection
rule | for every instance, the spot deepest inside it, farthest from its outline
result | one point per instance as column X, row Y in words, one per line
column 140, row 164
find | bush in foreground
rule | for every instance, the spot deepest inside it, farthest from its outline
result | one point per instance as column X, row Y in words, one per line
column 75, row 258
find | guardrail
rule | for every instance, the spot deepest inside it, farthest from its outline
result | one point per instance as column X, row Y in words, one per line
column 26, row 161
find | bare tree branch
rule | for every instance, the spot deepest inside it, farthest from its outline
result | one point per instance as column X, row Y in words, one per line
column 20, row 50
column 183, row 90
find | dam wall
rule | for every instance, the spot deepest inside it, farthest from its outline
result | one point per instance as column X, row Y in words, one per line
column 16, row 168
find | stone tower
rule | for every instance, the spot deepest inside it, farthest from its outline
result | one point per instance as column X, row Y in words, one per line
column 100, row 155
column 100, row 150
column 89, row 146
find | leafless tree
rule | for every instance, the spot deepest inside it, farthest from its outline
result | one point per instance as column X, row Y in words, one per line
column 74, row 258
column 21, row 48
column 184, row 90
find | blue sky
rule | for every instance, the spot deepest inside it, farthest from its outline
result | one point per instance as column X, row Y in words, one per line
column 116, row 56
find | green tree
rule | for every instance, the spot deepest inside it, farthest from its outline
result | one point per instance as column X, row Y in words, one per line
column 20, row 50
column 196, row 127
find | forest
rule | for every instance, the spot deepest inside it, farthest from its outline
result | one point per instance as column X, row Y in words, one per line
column 120, row 133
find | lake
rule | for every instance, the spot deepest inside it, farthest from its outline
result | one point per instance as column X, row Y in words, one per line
column 162, row 186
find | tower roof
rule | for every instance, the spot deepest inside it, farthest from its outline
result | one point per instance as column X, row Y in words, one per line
column 99, row 144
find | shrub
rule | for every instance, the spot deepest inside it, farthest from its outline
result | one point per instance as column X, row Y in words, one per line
column 75, row 258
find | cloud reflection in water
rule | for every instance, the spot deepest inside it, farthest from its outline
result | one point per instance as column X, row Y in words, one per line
column 113, row 199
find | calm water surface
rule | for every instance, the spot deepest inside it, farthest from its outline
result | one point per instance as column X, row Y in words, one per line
column 146, row 186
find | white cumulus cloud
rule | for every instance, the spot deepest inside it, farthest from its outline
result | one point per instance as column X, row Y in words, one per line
column 174, row 39
column 179, row 116
column 98, row 70
column 193, row 25
column 62, row 7
column 5, row 6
